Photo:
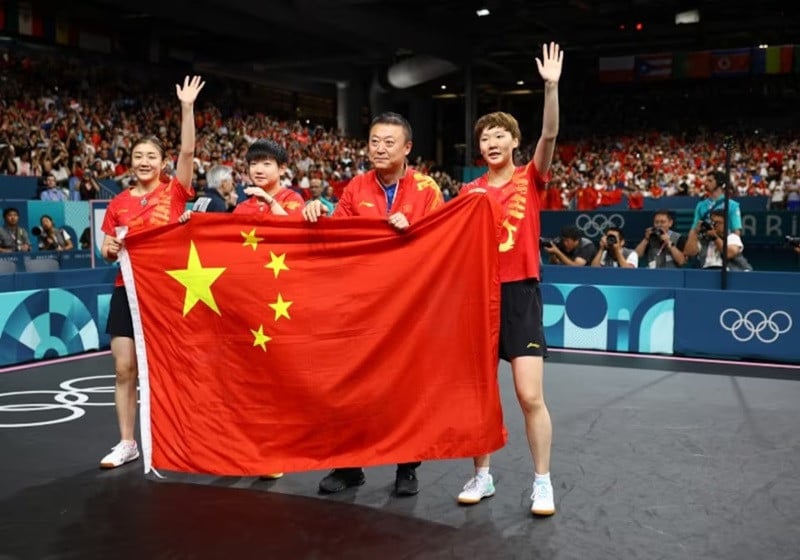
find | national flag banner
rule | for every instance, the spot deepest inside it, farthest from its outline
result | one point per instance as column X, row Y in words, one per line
column 616, row 69
column 66, row 33
column 779, row 59
column 275, row 345
column 30, row 23
column 696, row 64
column 730, row 62
column 654, row 66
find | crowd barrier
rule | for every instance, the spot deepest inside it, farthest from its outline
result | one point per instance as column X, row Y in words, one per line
column 25, row 188
column 757, row 226
column 682, row 312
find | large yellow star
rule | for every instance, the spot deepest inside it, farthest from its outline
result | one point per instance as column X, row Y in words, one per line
column 259, row 338
column 250, row 239
column 281, row 308
column 277, row 263
column 197, row 281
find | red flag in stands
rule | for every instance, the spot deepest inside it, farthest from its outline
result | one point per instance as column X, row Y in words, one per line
column 276, row 345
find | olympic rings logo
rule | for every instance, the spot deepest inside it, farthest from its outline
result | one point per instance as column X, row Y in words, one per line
column 755, row 323
column 69, row 398
column 594, row 226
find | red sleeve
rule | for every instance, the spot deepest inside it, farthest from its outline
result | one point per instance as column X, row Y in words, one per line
column 110, row 220
column 345, row 205
column 534, row 178
column 182, row 192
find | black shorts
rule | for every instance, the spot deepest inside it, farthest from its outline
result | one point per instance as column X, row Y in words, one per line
column 119, row 314
column 521, row 327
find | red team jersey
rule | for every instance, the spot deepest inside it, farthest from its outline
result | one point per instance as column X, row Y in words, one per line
column 521, row 203
column 416, row 196
column 288, row 199
column 162, row 206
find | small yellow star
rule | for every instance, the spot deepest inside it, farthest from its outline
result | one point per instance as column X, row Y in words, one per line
column 250, row 239
column 260, row 339
column 277, row 263
column 197, row 281
column 281, row 308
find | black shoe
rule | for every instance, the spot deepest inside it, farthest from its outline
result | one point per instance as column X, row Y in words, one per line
column 341, row 479
column 406, row 483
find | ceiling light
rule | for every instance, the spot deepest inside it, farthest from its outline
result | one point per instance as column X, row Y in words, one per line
column 689, row 16
column 444, row 86
column 520, row 83
column 483, row 12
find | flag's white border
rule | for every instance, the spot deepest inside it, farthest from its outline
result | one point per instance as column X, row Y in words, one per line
column 141, row 355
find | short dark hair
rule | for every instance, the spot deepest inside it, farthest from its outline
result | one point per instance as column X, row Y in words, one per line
column 721, row 178
column 394, row 118
column 719, row 212
column 8, row 211
column 571, row 232
column 617, row 230
column 664, row 212
column 264, row 149
column 497, row 119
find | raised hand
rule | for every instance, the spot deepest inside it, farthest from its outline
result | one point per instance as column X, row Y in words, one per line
column 191, row 87
column 550, row 63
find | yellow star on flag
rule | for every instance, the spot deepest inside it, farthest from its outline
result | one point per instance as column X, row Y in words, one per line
column 197, row 281
column 250, row 239
column 259, row 338
column 277, row 263
column 281, row 308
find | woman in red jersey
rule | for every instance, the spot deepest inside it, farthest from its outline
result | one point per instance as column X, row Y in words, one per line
column 150, row 202
column 522, row 342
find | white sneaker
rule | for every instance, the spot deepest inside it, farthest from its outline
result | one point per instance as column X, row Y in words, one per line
column 121, row 453
column 477, row 488
column 542, row 497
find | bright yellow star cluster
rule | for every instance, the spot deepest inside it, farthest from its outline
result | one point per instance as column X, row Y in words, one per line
column 198, row 281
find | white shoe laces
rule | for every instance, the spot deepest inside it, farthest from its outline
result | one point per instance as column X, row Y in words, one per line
column 542, row 490
column 472, row 484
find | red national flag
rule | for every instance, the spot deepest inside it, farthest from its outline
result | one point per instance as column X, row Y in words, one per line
column 30, row 22
column 276, row 345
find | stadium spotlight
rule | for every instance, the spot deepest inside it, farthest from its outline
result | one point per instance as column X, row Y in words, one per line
column 482, row 12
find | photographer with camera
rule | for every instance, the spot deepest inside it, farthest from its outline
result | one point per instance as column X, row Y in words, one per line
column 705, row 240
column 662, row 247
column 52, row 238
column 613, row 253
column 715, row 182
column 571, row 249
column 88, row 188
column 13, row 237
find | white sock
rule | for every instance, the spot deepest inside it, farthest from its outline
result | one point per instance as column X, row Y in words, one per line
column 542, row 478
column 128, row 442
column 482, row 472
